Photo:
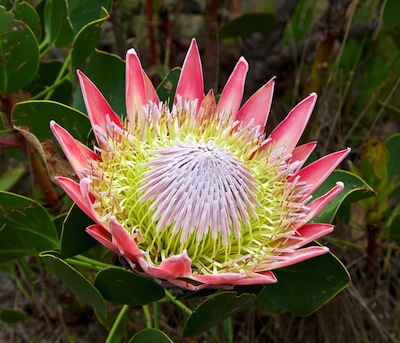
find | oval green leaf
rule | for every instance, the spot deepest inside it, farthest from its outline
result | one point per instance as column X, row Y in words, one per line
column 75, row 281
column 36, row 115
column 107, row 71
column 355, row 189
column 304, row 287
column 121, row 286
column 57, row 23
column 216, row 309
column 25, row 12
column 19, row 53
column 74, row 239
column 86, row 40
column 25, row 227
column 150, row 336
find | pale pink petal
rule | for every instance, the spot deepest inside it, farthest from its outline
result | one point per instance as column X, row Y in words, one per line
column 305, row 234
column 78, row 154
column 100, row 234
column 135, row 90
column 257, row 107
column 318, row 204
column 177, row 265
column 302, row 152
column 73, row 189
column 232, row 93
column 123, row 240
column 219, row 279
column 317, row 172
column 289, row 131
column 171, row 268
column 299, row 255
column 260, row 278
column 190, row 85
column 208, row 104
column 97, row 107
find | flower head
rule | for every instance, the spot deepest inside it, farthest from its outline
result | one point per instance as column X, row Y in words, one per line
column 198, row 196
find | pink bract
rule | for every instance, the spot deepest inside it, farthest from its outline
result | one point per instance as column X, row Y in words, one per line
column 144, row 215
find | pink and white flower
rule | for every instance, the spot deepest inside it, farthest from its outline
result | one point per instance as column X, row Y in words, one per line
column 198, row 196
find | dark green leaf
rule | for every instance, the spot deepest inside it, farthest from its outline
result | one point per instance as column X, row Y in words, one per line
column 83, row 12
column 121, row 286
column 74, row 239
column 304, row 287
column 11, row 316
column 25, row 227
column 355, row 189
column 107, row 71
column 247, row 24
column 216, row 309
column 393, row 145
column 86, row 40
column 150, row 336
column 167, row 88
column 19, row 53
column 57, row 23
column 36, row 115
column 391, row 18
column 75, row 281
column 25, row 12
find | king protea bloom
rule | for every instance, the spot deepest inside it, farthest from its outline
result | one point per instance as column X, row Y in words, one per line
column 197, row 196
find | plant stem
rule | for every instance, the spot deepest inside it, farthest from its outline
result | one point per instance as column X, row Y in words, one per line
column 156, row 311
column 147, row 315
column 178, row 303
column 117, row 322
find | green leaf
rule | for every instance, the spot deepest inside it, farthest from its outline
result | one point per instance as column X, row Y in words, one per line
column 391, row 18
column 86, row 40
column 8, row 179
column 19, row 53
column 304, row 287
column 247, row 24
column 150, row 336
column 75, row 239
column 107, row 71
column 167, row 87
column 355, row 189
column 36, row 115
column 216, row 309
column 25, row 12
column 393, row 145
column 82, row 12
column 57, row 23
column 25, row 227
column 75, row 281
column 121, row 286
column 11, row 316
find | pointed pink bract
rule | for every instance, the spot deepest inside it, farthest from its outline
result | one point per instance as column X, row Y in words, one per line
column 96, row 105
column 288, row 132
column 232, row 94
column 190, row 85
column 258, row 106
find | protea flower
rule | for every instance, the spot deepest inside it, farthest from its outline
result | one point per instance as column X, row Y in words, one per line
column 198, row 196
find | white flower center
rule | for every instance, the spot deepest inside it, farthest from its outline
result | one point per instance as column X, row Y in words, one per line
column 197, row 187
